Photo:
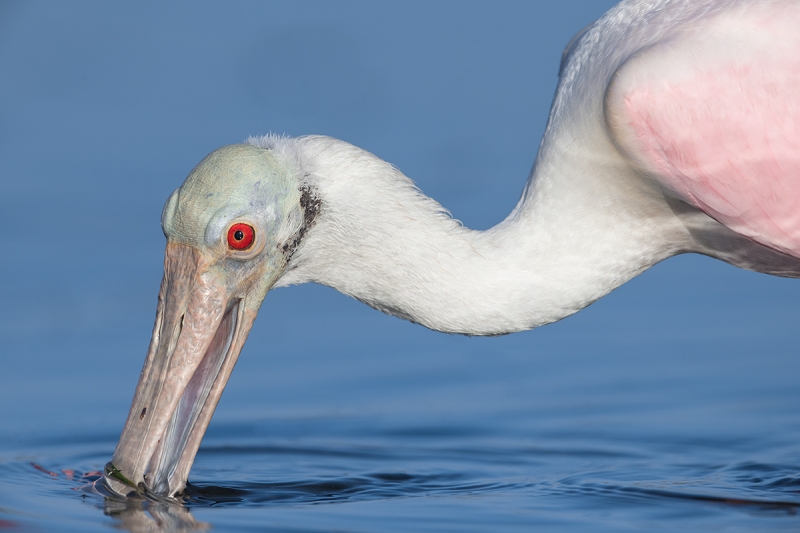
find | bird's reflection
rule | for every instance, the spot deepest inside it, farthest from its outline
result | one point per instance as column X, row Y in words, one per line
column 142, row 515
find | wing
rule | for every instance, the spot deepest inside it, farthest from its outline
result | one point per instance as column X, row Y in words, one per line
column 713, row 114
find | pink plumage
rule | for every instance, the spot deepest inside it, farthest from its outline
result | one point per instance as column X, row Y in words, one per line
column 720, row 125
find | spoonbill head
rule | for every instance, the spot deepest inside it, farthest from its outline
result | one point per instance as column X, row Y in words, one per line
column 230, row 229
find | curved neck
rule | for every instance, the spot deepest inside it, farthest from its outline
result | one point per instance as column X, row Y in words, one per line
column 587, row 222
column 380, row 240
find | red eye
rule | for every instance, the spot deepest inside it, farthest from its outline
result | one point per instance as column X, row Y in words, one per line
column 241, row 236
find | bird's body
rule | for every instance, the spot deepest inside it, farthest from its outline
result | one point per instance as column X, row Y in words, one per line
column 675, row 128
column 598, row 208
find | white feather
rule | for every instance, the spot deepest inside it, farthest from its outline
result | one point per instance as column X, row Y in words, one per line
column 588, row 219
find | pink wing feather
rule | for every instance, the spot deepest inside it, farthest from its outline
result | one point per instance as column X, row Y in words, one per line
column 714, row 116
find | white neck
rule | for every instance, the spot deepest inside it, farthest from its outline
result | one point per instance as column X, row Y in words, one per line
column 380, row 240
column 587, row 221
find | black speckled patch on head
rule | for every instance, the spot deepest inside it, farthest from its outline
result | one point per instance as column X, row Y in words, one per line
column 311, row 204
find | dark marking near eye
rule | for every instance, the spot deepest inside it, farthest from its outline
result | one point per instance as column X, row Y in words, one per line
column 144, row 412
column 311, row 205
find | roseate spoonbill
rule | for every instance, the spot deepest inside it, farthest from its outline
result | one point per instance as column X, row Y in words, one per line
column 675, row 128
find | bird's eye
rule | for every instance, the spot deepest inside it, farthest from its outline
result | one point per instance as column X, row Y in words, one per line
column 241, row 236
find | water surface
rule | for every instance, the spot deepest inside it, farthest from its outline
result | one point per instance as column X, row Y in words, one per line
column 438, row 434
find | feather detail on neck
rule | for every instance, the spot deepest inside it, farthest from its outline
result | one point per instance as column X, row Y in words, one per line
column 380, row 240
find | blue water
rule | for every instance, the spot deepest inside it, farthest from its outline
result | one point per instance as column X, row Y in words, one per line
column 671, row 405
column 614, row 420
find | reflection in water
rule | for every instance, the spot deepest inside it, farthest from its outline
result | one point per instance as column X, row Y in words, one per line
column 144, row 515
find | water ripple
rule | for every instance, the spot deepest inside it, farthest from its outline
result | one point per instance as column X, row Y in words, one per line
column 551, row 476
